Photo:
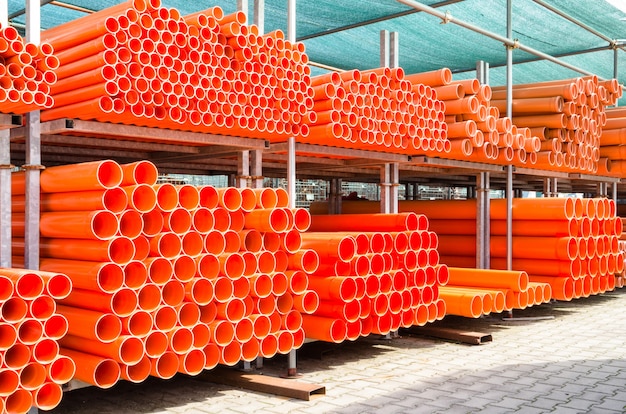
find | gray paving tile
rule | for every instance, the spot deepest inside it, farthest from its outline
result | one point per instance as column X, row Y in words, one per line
column 612, row 404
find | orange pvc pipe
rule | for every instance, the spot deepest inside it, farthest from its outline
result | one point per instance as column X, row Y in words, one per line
column 306, row 260
column 370, row 223
column 112, row 199
column 568, row 91
column 85, row 176
column 20, row 401
column 99, row 224
column 139, row 172
column 551, row 104
column 562, row 287
column 104, row 327
column 340, row 246
column 138, row 372
column 273, row 220
column 440, row 77
column 461, row 303
column 515, row 280
column 165, row 366
column 119, row 250
column 94, row 370
column 324, row 329
column 126, row 349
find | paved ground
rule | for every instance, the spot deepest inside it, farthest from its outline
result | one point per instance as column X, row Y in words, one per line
column 573, row 362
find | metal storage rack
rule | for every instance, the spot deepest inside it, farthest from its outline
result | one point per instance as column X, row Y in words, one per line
column 65, row 141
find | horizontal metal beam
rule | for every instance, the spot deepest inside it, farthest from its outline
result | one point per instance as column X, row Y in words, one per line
column 373, row 21
column 513, row 43
column 537, row 59
column 612, row 42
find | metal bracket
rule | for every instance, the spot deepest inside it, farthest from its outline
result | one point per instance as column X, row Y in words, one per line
column 515, row 45
column 33, row 167
column 447, row 18
column 249, row 177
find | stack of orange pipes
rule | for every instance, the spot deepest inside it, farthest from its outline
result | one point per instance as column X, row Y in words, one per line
column 377, row 273
column 169, row 278
column 570, row 243
column 379, row 109
column 613, row 144
column 142, row 64
column 475, row 127
column 476, row 292
column 568, row 115
column 31, row 368
column 26, row 73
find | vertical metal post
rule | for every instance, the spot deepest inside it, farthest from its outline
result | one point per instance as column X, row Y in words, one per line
column 259, row 15
column 482, row 72
column 384, row 48
column 546, row 187
column 256, row 168
column 334, row 205
column 292, row 370
column 614, row 192
column 615, row 67
column 243, row 169
column 509, row 113
column 33, row 158
column 385, row 183
column 33, row 154
column 242, row 6
column 483, row 206
column 483, row 203
column 5, row 175
column 394, row 168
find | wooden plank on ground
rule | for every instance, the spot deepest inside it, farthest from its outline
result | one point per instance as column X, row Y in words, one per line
column 263, row 383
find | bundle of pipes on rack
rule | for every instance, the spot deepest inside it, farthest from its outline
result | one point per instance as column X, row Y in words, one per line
column 168, row 278
column 142, row 64
column 32, row 370
column 476, row 292
column 26, row 73
column 613, row 144
column 569, row 243
column 567, row 115
column 377, row 273
column 379, row 109
column 620, row 277
column 476, row 129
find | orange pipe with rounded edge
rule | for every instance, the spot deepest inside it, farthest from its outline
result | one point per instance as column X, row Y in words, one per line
column 440, row 77
column 98, row 224
column 514, row 280
column 324, row 329
column 85, row 176
column 139, row 172
column 330, row 245
column 112, row 199
column 138, row 372
column 498, row 227
column 126, row 349
column 121, row 303
column 365, row 223
column 562, row 287
column 104, row 327
column 461, row 303
column 552, row 104
column 119, row 250
column 547, row 267
column 568, row 91
column 20, row 401
column 267, row 220
column 94, row 370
